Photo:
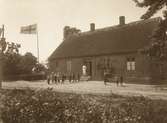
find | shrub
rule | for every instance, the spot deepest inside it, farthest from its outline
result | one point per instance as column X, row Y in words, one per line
column 26, row 77
column 47, row 106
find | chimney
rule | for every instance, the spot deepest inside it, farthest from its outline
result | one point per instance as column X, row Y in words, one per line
column 66, row 31
column 92, row 27
column 121, row 20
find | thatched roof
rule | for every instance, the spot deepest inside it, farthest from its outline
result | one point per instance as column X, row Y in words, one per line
column 110, row 40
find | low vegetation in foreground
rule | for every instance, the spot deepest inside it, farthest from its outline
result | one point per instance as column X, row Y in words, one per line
column 48, row 106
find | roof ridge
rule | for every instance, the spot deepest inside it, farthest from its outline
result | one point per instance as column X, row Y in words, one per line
column 117, row 26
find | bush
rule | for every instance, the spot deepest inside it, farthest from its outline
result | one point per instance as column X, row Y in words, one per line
column 26, row 77
column 47, row 106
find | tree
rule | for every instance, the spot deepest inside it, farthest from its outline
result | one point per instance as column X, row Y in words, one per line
column 39, row 68
column 27, row 63
column 9, row 58
column 10, row 64
column 15, row 64
column 159, row 38
column 70, row 31
column 152, row 5
column 6, row 48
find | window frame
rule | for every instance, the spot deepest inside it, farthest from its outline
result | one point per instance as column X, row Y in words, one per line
column 130, row 64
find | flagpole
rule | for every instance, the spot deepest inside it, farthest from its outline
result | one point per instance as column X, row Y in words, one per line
column 37, row 46
column 32, row 29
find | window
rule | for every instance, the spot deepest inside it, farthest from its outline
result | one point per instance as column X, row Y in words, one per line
column 131, row 65
column 69, row 63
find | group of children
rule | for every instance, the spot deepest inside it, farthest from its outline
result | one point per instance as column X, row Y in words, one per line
column 119, row 80
column 115, row 78
column 56, row 78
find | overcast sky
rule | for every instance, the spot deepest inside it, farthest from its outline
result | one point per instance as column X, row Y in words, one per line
column 52, row 15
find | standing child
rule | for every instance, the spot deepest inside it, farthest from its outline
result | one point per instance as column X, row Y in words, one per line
column 52, row 77
column 105, row 78
column 78, row 77
column 58, row 77
column 117, row 80
column 121, row 80
column 48, row 79
column 69, row 78
column 73, row 77
column 63, row 78
column 55, row 78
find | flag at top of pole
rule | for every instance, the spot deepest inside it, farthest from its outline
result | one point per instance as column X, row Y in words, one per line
column 31, row 29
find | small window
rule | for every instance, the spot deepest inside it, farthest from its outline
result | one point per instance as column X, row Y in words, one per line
column 128, row 65
column 131, row 64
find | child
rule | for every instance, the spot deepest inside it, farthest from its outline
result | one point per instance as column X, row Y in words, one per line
column 78, row 77
column 117, row 80
column 48, row 79
column 121, row 80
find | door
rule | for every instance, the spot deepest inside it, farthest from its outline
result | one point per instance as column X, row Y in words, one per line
column 89, row 68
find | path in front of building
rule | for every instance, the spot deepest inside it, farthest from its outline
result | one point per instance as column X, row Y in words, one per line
column 95, row 87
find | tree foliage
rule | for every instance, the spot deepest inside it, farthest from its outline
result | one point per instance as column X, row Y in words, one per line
column 14, row 64
column 153, row 6
column 159, row 38
column 39, row 68
column 69, row 31
column 10, row 62
column 27, row 62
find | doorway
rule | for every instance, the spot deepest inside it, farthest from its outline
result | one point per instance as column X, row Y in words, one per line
column 88, row 68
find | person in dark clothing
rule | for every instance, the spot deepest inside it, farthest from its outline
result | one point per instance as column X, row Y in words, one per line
column 52, row 77
column 117, row 80
column 48, row 79
column 69, row 78
column 58, row 77
column 55, row 78
column 121, row 80
column 78, row 77
column 63, row 78
column 73, row 77
column 105, row 78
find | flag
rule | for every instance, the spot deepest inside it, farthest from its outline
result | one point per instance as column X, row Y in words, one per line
column 30, row 29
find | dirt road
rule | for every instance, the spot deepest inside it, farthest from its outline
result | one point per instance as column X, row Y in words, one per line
column 96, row 87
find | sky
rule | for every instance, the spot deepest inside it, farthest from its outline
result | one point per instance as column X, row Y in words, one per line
column 52, row 15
